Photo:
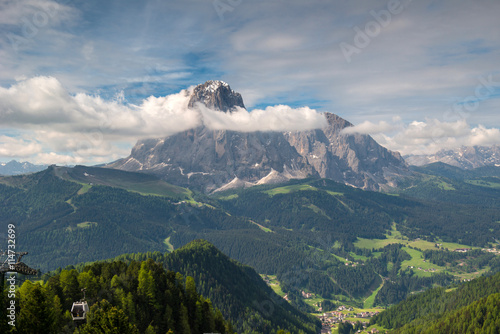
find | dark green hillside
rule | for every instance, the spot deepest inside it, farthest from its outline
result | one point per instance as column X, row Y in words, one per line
column 482, row 316
column 445, row 183
column 35, row 199
column 436, row 303
column 238, row 290
column 319, row 206
column 345, row 213
column 59, row 224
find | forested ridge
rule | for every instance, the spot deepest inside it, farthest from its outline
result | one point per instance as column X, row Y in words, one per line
column 348, row 213
column 482, row 316
column 138, row 297
column 444, row 183
column 435, row 308
column 237, row 290
column 319, row 205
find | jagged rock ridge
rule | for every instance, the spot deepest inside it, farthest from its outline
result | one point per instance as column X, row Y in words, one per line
column 216, row 95
column 465, row 157
column 211, row 160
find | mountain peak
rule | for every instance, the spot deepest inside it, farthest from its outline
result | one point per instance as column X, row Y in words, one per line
column 14, row 167
column 213, row 85
column 216, row 94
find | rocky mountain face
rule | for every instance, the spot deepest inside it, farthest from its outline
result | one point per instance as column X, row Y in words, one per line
column 465, row 157
column 214, row 160
column 14, row 167
column 216, row 95
column 354, row 159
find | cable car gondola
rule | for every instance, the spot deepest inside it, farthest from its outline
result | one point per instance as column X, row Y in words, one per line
column 80, row 309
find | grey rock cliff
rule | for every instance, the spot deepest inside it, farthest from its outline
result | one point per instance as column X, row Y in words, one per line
column 354, row 159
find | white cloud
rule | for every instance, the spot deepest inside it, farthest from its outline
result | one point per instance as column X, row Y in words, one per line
column 432, row 135
column 483, row 136
column 39, row 100
column 275, row 118
column 368, row 127
column 169, row 114
column 434, row 129
column 69, row 129
column 81, row 128
column 44, row 102
column 18, row 147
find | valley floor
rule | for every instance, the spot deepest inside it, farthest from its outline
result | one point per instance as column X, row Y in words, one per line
column 345, row 310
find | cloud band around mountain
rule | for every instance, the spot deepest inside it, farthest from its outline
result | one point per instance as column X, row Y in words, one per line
column 59, row 126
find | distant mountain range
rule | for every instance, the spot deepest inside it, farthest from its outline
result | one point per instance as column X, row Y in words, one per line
column 465, row 157
column 14, row 167
column 215, row 160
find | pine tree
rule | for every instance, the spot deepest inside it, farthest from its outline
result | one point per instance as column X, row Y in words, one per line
column 105, row 318
column 36, row 314
column 68, row 280
column 146, row 286
column 184, row 321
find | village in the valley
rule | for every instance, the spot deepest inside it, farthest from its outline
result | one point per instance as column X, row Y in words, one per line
column 343, row 313
column 332, row 318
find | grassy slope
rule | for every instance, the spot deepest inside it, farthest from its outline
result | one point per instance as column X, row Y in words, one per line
column 137, row 182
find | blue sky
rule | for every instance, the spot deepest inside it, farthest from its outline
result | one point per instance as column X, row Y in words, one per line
column 416, row 75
